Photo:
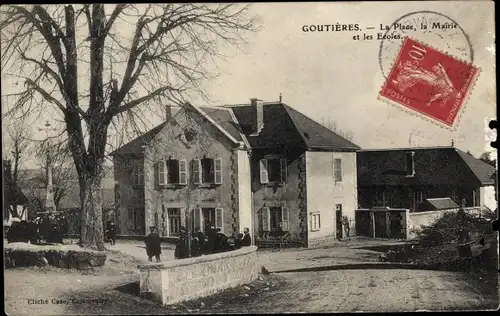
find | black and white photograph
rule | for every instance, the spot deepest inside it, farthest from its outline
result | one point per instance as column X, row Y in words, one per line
column 246, row 158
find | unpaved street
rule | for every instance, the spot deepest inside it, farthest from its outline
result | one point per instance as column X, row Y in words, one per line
column 339, row 289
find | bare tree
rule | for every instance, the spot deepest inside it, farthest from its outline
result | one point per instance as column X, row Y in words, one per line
column 333, row 126
column 158, row 52
column 19, row 147
column 486, row 157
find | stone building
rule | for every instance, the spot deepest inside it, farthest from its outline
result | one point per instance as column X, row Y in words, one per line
column 264, row 166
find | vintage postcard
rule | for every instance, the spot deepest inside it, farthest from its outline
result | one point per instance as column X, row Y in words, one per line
column 249, row 158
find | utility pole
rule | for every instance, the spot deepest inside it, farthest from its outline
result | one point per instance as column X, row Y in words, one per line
column 50, row 205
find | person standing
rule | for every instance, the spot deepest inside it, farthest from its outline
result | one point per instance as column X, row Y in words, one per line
column 221, row 242
column 211, row 236
column 247, row 240
column 238, row 241
column 198, row 243
column 111, row 232
column 153, row 245
column 347, row 228
column 181, row 249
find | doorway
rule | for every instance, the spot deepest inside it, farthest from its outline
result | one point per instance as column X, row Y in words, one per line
column 338, row 221
column 139, row 221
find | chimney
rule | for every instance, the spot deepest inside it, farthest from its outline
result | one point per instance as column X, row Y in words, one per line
column 258, row 109
column 168, row 113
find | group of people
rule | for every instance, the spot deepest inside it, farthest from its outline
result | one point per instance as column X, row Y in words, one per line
column 198, row 244
column 50, row 228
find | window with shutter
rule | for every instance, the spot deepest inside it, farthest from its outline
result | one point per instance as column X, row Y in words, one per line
column 196, row 171
column 264, row 178
column 219, row 223
column 284, row 218
column 161, row 173
column 218, row 171
column 283, row 169
column 183, row 172
column 266, row 219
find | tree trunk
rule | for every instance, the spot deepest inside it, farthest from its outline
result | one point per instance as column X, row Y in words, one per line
column 92, row 235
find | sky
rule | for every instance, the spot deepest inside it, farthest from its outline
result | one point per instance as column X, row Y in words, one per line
column 330, row 76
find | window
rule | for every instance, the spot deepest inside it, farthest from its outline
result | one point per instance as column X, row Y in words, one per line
column 275, row 218
column 138, row 174
column 337, row 170
column 174, row 221
column 419, row 197
column 315, row 221
column 172, row 171
column 207, row 217
column 410, row 164
column 273, row 170
column 338, row 207
column 207, row 171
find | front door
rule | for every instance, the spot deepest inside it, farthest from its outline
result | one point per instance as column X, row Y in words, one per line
column 380, row 225
column 338, row 218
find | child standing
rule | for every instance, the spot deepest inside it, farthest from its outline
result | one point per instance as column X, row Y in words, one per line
column 153, row 245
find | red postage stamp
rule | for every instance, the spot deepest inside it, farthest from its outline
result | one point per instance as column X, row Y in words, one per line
column 429, row 82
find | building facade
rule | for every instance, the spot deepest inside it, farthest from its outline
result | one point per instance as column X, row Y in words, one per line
column 262, row 166
column 406, row 178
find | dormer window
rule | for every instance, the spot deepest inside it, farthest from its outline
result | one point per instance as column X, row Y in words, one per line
column 410, row 164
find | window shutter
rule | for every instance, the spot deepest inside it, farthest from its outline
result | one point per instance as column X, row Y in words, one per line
column 161, row 173
column 284, row 218
column 283, row 169
column 218, row 171
column 218, row 218
column 264, row 178
column 266, row 223
column 183, row 172
column 197, row 171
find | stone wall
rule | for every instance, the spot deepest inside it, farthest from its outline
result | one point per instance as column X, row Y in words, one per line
column 417, row 220
column 180, row 280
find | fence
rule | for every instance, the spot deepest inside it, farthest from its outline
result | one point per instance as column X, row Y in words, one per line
column 386, row 222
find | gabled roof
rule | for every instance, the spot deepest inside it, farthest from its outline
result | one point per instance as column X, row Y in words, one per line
column 433, row 166
column 285, row 126
column 223, row 117
column 135, row 146
column 483, row 171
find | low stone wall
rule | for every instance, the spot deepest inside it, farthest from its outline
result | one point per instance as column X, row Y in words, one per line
column 179, row 280
column 416, row 221
column 321, row 241
column 62, row 256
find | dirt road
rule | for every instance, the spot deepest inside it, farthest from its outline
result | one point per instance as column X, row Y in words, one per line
column 381, row 290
